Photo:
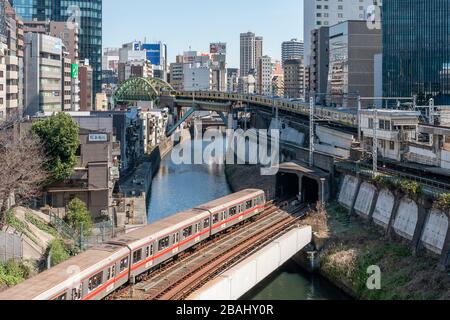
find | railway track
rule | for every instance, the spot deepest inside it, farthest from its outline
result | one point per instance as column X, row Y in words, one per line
column 177, row 279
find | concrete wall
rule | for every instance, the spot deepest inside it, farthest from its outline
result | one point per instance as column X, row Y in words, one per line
column 348, row 191
column 365, row 199
column 435, row 232
column 384, row 208
column 406, row 220
column 239, row 280
column 401, row 218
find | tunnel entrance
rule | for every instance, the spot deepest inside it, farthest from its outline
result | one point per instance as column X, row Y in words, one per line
column 288, row 186
column 310, row 191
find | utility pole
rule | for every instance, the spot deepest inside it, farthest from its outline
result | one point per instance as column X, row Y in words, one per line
column 311, row 131
column 431, row 112
column 375, row 144
column 359, row 119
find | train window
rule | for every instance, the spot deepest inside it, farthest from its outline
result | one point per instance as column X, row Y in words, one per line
column 206, row 223
column 95, row 281
column 249, row 204
column 178, row 237
column 187, row 232
column 163, row 243
column 147, row 252
column 137, row 256
column 233, row 211
column 62, row 297
column 123, row 264
column 195, row 228
column 223, row 215
column 215, row 218
column 77, row 293
column 151, row 250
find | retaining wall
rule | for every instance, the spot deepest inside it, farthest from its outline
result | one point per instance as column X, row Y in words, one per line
column 413, row 221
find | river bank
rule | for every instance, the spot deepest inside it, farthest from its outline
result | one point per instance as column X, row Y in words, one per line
column 348, row 247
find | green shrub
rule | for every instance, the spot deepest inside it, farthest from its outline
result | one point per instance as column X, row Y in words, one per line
column 444, row 201
column 58, row 252
column 13, row 273
column 78, row 217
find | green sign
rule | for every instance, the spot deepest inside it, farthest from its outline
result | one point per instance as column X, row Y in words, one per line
column 74, row 71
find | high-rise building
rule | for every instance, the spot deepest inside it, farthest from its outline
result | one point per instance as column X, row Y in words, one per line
column 319, row 62
column 351, row 69
column 85, row 75
column 14, row 62
column 328, row 13
column 44, row 81
column 416, row 49
column 294, row 79
column 87, row 12
column 251, row 51
column 68, row 32
column 3, row 52
column 292, row 49
column 264, row 76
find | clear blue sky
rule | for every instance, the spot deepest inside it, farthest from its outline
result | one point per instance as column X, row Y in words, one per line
column 182, row 24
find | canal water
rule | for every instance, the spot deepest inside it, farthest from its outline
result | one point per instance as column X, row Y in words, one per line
column 179, row 187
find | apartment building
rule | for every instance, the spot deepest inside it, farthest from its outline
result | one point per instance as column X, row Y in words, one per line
column 294, row 79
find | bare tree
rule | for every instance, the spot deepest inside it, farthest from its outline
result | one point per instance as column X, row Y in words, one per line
column 22, row 161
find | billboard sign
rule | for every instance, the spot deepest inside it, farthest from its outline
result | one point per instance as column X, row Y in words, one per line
column 153, row 52
column 74, row 71
column 218, row 48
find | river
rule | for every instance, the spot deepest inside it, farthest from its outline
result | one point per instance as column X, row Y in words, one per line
column 179, row 187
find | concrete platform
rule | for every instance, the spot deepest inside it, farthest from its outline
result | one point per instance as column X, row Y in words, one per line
column 243, row 277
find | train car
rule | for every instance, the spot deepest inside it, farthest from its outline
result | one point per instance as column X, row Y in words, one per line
column 233, row 209
column 98, row 272
column 162, row 240
column 92, row 275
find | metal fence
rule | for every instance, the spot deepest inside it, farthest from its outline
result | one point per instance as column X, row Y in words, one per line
column 11, row 247
column 100, row 232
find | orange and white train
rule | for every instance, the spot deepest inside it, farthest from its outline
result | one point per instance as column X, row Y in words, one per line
column 96, row 273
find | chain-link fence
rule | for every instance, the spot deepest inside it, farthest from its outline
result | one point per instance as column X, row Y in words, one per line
column 11, row 247
column 99, row 233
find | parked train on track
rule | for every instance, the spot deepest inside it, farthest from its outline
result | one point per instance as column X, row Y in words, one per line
column 98, row 272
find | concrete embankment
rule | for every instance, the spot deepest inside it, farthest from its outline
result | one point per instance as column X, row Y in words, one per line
column 368, row 225
column 136, row 186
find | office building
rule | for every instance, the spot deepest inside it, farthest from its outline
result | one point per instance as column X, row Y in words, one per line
column 69, row 34
column 251, row 51
column 176, row 74
column 14, row 62
column 351, row 69
column 318, row 13
column 90, row 11
column 264, row 76
column 416, row 50
column 247, row 85
column 292, row 49
column 319, row 62
column 294, row 79
column 218, row 52
column 197, row 77
column 85, row 75
column 133, row 62
column 232, row 80
column 157, row 55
